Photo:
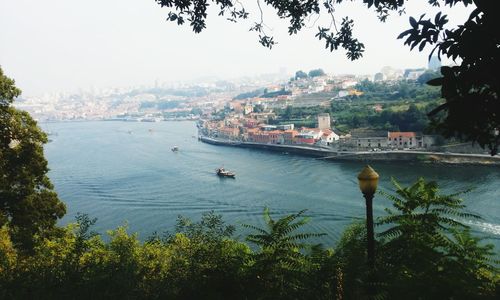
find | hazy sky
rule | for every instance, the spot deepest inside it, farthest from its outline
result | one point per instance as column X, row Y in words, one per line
column 64, row 45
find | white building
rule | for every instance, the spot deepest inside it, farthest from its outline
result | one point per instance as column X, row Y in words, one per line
column 285, row 127
column 329, row 137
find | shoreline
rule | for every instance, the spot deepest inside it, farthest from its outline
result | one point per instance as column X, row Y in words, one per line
column 395, row 155
column 113, row 120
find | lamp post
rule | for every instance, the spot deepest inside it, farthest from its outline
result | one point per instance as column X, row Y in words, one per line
column 368, row 181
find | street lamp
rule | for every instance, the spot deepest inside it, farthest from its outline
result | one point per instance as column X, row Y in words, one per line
column 368, row 181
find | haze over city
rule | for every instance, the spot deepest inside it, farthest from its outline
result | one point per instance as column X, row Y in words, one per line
column 65, row 46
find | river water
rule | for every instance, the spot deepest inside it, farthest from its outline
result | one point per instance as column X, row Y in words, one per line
column 125, row 172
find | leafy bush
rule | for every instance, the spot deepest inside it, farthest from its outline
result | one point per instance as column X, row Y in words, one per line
column 427, row 252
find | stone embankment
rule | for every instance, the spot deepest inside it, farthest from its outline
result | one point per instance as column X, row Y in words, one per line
column 329, row 154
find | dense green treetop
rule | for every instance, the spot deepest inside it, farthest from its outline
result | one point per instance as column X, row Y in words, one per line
column 8, row 90
column 316, row 73
column 28, row 202
column 300, row 74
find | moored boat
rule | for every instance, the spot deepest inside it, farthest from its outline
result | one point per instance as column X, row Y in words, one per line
column 224, row 173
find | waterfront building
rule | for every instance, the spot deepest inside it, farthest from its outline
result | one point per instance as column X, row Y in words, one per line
column 265, row 137
column 367, row 139
column 275, row 137
column 289, row 136
column 329, row 137
column 256, row 136
column 268, row 127
column 324, row 121
column 371, row 142
column 305, row 138
column 229, row 133
column 248, row 132
column 285, row 127
column 402, row 140
column 308, row 136
column 250, row 123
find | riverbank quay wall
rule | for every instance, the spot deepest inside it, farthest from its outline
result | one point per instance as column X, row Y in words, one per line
column 420, row 156
column 367, row 156
column 301, row 150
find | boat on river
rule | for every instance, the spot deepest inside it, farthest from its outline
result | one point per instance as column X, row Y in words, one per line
column 221, row 172
column 175, row 149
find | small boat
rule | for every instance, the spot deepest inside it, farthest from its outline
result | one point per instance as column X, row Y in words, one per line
column 175, row 149
column 223, row 173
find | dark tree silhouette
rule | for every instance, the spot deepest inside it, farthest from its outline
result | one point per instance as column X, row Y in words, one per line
column 316, row 72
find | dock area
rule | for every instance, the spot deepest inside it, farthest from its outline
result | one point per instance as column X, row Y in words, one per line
column 324, row 153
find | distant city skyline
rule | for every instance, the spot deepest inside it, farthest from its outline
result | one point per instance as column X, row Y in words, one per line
column 60, row 46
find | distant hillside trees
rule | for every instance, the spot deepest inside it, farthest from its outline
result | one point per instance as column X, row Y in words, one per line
column 316, row 73
column 196, row 111
column 427, row 76
column 161, row 105
column 413, row 119
column 300, row 74
column 381, row 91
column 400, row 106
column 251, row 94
column 276, row 93
column 263, row 93
column 313, row 73
column 258, row 108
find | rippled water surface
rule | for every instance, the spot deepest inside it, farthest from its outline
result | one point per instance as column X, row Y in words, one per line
column 125, row 172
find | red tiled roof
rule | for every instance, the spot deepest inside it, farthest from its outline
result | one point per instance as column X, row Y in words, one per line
column 402, row 134
column 274, row 132
column 327, row 132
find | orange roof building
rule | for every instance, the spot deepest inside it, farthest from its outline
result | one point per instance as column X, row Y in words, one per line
column 403, row 140
column 401, row 134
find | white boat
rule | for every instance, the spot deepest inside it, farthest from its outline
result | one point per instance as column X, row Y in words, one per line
column 175, row 149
